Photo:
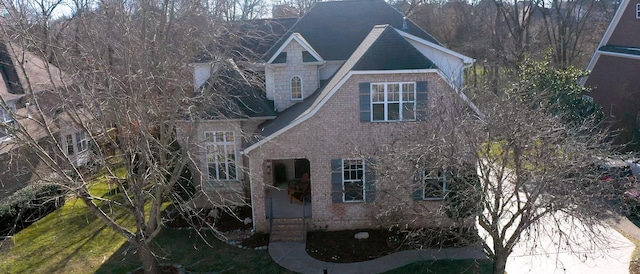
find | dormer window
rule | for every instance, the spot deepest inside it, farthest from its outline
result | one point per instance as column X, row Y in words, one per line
column 296, row 88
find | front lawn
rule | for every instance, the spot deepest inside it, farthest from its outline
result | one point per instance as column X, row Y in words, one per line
column 73, row 240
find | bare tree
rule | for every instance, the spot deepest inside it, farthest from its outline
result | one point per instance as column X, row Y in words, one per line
column 532, row 173
column 568, row 25
column 116, row 104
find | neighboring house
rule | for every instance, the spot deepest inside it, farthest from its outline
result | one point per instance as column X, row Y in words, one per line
column 24, row 78
column 343, row 81
column 614, row 73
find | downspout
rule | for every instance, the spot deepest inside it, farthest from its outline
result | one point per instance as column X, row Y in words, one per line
column 324, row 64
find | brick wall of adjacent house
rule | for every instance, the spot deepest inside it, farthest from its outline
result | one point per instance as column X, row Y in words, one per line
column 335, row 132
column 278, row 77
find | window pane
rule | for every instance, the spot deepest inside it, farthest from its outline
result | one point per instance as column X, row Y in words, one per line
column 353, row 191
column 70, row 150
column 296, row 88
column 377, row 93
column 393, row 92
column 219, row 137
column 394, row 112
column 222, row 171
column 407, row 111
column 232, row 171
column 378, row 112
column 213, row 174
column 433, row 188
column 408, row 92
column 208, row 136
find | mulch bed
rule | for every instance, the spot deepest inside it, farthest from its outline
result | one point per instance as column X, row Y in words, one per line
column 226, row 222
column 202, row 219
column 342, row 247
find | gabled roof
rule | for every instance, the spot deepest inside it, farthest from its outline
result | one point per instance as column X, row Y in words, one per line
column 336, row 28
column 299, row 110
column 379, row 37
column 392, row 52
column 298, row 38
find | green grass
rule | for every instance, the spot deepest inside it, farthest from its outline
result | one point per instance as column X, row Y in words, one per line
column 73, row 240
column 446, row 267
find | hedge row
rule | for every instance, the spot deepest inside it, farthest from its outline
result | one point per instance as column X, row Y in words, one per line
column 28, row 205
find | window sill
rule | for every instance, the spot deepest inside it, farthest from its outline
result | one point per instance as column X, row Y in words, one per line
column 433, row 199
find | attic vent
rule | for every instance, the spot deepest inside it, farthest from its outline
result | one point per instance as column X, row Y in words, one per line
column 282, row 58
column 8, row 71
column 307, row 57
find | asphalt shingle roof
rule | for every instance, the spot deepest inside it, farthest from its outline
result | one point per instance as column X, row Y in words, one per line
column 335, row 29
column 392, row 52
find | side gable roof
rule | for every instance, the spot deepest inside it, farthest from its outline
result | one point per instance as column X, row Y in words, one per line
column 298, row 38
column 336, row 28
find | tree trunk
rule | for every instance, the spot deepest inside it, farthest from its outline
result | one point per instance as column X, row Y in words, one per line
column 499, row 263
column 149, row 262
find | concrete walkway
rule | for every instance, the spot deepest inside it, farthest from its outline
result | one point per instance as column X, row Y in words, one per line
column 293, row 256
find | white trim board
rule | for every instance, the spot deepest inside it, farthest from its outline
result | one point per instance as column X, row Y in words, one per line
column 296, row 36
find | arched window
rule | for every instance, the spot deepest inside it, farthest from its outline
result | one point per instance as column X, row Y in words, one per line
column 296, row 88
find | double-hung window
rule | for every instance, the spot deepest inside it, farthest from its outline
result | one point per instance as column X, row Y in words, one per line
column 434, row 185
column 221, row 155
column 638, row 11
column 353, row 180
column 393, row 101
column 76, row 143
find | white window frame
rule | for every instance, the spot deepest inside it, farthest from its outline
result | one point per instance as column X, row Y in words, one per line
column 638, row 11
column 439, row 178
column 291, row 88
column 5, row 118
column 359, row 167
column 75, row 142
column 217, row 146
column 403, row 98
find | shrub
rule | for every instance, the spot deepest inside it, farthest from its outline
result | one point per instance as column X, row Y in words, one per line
column 28, row 205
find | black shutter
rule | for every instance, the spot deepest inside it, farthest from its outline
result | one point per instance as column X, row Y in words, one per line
column 370, row 182
column 336, row 180
column 422, row 105
column 365, row 102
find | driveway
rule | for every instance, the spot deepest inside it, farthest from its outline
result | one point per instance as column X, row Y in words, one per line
column 548, row 252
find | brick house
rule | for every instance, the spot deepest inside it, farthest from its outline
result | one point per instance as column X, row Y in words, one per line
column 339, row 82
column 614, row 82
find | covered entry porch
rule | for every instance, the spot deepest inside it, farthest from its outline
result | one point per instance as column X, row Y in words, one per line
column 288, row 191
